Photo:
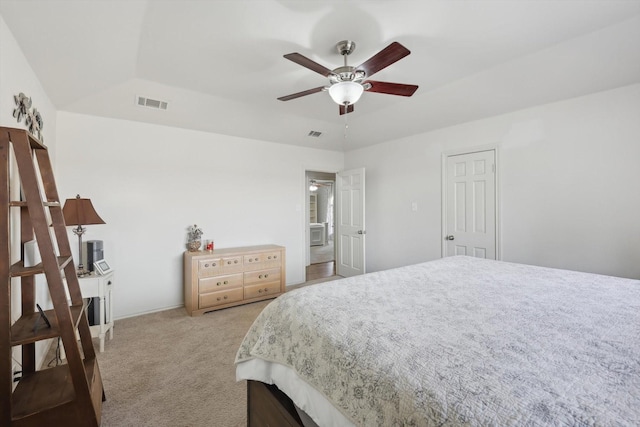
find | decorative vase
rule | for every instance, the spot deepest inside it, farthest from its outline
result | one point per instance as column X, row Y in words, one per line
column 194, row 245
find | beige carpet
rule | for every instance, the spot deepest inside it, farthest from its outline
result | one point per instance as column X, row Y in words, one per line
column 169, row 369
column 319, row 254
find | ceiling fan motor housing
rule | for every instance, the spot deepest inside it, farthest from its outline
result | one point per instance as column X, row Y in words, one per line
column 346, row 74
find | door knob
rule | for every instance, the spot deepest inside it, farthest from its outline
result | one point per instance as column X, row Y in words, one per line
column 362, row 232
column 449, row 237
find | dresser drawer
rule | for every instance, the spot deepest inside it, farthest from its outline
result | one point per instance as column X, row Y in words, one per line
column 261, row 276
column 252, row 259
column 272, row 259
column 260, row 289
column 262, row 260
column 221, row 297
column 209, row 267
column 232, row 264
column 212, row 284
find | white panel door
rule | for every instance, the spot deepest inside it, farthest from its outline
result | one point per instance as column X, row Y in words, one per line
column 351, row 231
column 471, row 205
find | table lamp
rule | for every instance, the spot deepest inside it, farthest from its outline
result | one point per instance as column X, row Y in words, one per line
column 80, row 212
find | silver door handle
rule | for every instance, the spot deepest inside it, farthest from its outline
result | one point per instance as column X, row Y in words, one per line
column 449, row 237
column 362, row 232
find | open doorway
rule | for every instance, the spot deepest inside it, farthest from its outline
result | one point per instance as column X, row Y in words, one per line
column 320, row 218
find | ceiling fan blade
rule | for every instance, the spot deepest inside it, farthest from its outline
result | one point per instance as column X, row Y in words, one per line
column 347, row 110
column 307, row 63
column 303, row 93
column 391, row 88
column 387, row 56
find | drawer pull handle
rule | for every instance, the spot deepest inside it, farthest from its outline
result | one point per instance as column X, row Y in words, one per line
column 263, row 290
column 218, row 298
column 235, row 262
column 225, row 297
column 266, row 275
column 206, row 265
column 218, row 284
column 213, row 265
column 226, row 282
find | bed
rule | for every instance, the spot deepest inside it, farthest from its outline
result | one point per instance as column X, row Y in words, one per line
column 456, row 341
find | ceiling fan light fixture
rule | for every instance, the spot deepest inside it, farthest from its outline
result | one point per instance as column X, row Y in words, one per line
column 346, row 93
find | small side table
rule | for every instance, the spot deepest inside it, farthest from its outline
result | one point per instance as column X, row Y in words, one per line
column 100, row 286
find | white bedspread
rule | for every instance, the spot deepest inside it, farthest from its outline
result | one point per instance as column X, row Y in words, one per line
column 463, row 341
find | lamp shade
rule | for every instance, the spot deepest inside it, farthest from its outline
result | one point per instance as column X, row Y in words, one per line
column 80, row 211
column 346, row 93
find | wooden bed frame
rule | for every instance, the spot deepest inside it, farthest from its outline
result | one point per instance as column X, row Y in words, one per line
column 267, row 406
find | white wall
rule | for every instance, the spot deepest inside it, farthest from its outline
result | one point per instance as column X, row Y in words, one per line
column 569, row 186
column 17, row 76
column 149, row 183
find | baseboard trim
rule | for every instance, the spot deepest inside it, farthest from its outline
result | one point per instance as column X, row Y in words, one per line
column 142, row 313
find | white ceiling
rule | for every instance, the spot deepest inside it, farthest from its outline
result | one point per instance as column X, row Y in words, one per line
column 220, row 65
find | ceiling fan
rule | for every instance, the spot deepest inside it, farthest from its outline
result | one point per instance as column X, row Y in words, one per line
column 314, row 184
column 347, row 83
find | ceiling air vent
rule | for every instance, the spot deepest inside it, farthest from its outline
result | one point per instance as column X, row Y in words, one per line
column 314, row 133
column 152, row 103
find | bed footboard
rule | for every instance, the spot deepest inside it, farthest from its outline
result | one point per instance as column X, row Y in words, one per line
column 268, row 406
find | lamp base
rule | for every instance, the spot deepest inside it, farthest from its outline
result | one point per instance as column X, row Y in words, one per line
column 81, row 272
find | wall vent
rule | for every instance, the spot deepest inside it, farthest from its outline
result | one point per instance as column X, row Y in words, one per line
column 314, row 133
column 143, row 101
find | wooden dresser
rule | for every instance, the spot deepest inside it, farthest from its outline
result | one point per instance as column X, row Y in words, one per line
column 232, row 276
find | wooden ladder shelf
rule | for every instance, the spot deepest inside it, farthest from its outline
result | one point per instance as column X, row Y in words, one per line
column 70, row 394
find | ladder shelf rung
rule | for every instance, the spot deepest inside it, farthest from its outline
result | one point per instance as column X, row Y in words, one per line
column 18, row 269
column 22, row 204
column 22, row 331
